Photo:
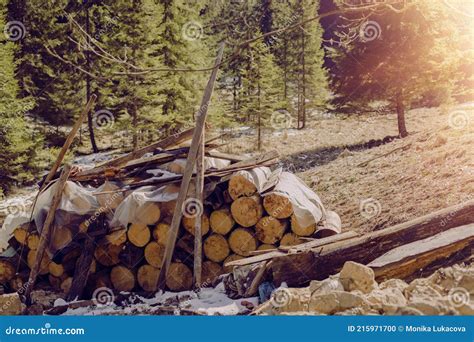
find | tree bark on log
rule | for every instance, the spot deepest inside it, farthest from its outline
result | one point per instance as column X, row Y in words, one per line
column 300, row 268
column 403, row 261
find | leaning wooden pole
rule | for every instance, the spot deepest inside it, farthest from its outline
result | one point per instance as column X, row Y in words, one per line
column 200, row 199
column 188, row 171
column 46, row 231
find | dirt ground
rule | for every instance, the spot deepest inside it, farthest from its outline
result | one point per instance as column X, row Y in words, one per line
column 429, row 170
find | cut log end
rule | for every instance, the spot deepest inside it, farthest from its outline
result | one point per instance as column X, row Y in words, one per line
column 160, row 233
column 210, row 271
column 240, row 186
column 216, row 248
column 270, row 230
column 179, row 277
column 189, row 224
column 148, row 214
column 221, row 221
column 300, row 230
column 247, row 210
column 139, row 234
column 122, row 278
column 277, row 206
column 290, row 239
column 242, row 241
column 154, row 253
column 147, row 277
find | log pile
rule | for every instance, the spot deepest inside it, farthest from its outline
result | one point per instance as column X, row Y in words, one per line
column 236, row 223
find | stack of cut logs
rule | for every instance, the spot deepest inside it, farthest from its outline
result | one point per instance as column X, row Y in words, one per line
column 236, row 223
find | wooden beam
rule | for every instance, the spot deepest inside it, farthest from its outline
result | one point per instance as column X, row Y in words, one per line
column 188, row 171
column 403, row 261
column 197, row 221
column 282, row 251
column 173, row 140
column 46, row 231
column 319, row 263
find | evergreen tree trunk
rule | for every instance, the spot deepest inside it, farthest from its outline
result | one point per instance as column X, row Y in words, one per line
column 285, row 71
column 259, row 119
column 90, row 122
column 402, row 129
column 135, row 120
column 303, row 81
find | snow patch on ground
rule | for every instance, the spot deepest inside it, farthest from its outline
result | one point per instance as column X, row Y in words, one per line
column 208, row 301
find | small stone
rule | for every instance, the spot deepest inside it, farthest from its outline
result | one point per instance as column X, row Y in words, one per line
column 394, row 284
column 337, row 301
column 390, row 296
column 356, row 276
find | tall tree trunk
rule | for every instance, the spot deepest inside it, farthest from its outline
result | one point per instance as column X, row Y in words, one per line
column 402, row 129
column 303, row 81
column 259, row 118
column 90, row 121
column 285, row 70
column 135, row 119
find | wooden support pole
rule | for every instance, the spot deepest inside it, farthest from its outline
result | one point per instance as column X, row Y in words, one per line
column 46, row 231
column 197, row 221
column 188, row 171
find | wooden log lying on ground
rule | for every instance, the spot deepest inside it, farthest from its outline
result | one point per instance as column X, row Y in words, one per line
column 300, row 268
column 292, row 249
column 403, row 261
column 138, row 234
column 147, row 277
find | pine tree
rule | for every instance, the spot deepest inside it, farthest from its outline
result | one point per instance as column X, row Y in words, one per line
column 18, row 146
column 396, row 57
